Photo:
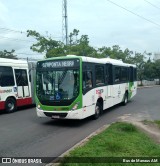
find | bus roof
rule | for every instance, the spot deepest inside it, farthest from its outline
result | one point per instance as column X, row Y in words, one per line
column 103, row 60
column 94, row 60
column 13, row 62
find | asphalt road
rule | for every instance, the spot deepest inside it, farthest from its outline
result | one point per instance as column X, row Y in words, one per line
column 23, row 134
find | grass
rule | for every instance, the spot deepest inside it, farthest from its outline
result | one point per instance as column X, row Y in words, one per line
column 119, row 140
column 157, row 122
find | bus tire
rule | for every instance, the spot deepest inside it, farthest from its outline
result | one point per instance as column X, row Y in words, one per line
column 97, row 111
column 10, row 105
column 125, row 101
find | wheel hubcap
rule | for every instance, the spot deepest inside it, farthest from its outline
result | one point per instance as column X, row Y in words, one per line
column 126, row 99
column 97, row 110
column 10, row 106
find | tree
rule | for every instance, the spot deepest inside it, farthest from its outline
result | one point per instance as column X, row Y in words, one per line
column 149, row 70
column 82, row 48
column 157, row 69
column 73, row 37
column 8, row 54
column 51, row 47
column 115, row 52
column 139, row 61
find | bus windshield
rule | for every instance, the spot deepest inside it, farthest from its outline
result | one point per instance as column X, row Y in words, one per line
column 55, row 85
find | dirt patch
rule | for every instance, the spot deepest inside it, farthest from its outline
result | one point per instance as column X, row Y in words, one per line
column 148, row 127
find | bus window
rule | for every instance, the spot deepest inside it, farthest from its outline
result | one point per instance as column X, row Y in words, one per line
column 21, row 77
column 117, row 76
column 87, row 80
column 135, row 74
column 109, row 75
column 99, row 75
column 124, row 74
column 131, row 77
column 6, row 76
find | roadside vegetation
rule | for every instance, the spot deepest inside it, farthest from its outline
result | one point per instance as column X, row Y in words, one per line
column 80, row 45
column 119, row 140
column 156, row 122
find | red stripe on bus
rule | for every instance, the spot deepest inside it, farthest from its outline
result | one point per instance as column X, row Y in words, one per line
column 2, row 105
column 26, row 101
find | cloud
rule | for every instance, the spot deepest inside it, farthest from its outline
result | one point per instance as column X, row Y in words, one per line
column 104, row 23
column 3, row 13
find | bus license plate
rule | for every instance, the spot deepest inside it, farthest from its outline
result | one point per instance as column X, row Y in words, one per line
column 55, row 117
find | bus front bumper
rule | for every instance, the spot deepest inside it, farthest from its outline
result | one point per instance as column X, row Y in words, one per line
column 76, row 114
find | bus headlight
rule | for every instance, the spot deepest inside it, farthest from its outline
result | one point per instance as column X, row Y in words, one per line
column 39, row 107
column 75, row 106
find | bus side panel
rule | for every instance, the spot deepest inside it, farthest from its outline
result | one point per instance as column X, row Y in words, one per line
column 133, row 82
column 2, row 105
column 133, row 89
column 116, row 94
column 22, row 102
column 90, row 99
column 109, row 97
column 89, row 103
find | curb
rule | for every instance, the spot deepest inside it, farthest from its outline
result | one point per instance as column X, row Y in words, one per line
column 79, row 144
column 151, row 86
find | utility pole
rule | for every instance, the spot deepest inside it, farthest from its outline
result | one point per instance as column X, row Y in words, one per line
column 64, row 22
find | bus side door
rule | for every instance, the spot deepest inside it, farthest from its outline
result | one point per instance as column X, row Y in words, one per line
column 22, row 83
column 109, row 88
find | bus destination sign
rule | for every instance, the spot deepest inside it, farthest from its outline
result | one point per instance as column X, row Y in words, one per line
column 59, row 63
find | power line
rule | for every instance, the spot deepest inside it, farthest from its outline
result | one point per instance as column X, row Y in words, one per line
column 22, row 32
column 26, row 53
column 15, row 39
column 2, row 37
column 158, row 25
column 11, row 30
column 152, row 4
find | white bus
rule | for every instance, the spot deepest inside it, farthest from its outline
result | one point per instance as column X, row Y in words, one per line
column 15, row 84
column 75, row 87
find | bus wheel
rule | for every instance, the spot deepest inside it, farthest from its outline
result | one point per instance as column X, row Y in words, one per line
column 125, row 99
column 10, row 105
column 97, row 111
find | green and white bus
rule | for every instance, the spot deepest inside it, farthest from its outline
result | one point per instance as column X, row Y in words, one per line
column 76, row 87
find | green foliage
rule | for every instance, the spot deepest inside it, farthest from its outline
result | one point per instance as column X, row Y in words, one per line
column 157, row 122
column 115, row 52
column 119, row 140
column 80, row 46
column 157, row 69
column 73, row 37
column 51, row 47
column 127, row 128
column 8, row 54
column 149, row 71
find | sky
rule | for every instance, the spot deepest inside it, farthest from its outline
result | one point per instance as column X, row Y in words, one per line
column 132, row 24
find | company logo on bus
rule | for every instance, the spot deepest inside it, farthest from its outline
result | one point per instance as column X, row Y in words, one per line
column 6, row 91
column 99, row 92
